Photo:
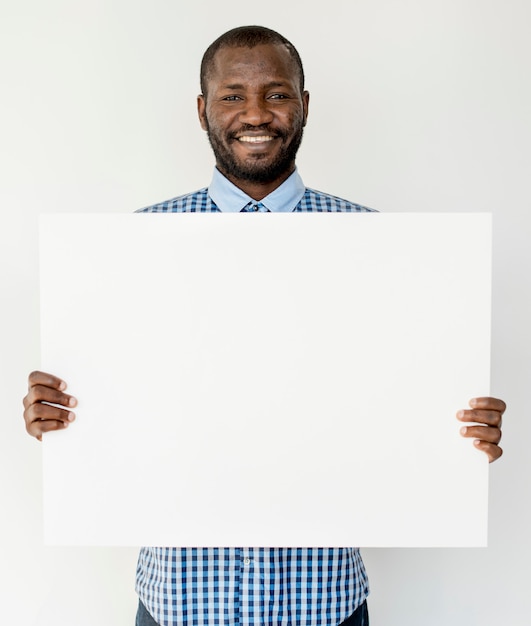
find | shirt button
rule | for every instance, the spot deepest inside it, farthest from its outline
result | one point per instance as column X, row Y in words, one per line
column 255, row 207
column 246, row 560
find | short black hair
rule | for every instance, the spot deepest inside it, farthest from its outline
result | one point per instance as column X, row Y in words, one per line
column 249, row 37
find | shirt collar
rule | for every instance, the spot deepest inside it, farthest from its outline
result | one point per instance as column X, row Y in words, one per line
column 231, row 199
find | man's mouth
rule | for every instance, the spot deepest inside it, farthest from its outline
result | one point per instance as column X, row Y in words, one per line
column 255, row 138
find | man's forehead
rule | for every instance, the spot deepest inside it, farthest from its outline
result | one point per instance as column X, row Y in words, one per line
column 266, row 58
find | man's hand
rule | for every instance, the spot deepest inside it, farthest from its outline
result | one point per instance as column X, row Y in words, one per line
column 487, row 413
column 44, row 391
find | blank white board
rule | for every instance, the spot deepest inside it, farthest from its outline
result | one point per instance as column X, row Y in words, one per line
column 266, row 379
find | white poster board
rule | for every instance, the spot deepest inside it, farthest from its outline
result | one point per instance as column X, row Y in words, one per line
column 266, row 379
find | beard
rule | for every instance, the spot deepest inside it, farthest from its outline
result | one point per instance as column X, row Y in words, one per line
column 257, row 169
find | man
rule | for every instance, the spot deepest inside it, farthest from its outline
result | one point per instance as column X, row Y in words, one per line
column 254, row 108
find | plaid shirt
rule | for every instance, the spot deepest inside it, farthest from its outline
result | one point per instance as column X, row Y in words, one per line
column 252, row 586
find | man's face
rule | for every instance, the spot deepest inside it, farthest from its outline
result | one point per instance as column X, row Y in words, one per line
column 254, row 113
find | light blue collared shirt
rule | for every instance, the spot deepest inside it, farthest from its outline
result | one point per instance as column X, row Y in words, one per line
column 231, row 199
column 239, row 585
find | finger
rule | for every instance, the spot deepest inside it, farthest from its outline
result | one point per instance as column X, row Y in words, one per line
column 41, row 393
column 482, row 433
column 490, row 449
column 48, row 380
column 490, row 404
column 480, row 416
column 42, row 412
column 37, row 428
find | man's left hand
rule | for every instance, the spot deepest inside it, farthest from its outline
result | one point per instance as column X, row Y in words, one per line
column 487, row 414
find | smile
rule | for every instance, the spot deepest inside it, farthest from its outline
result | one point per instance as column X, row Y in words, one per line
column 252, row 139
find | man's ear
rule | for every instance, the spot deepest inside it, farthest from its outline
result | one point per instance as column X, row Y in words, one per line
column 305, row 104
column 201, row 111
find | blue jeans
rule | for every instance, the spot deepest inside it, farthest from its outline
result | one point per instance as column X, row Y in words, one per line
column 360, row 617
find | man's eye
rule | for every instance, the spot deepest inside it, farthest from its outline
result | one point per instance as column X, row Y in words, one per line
column 278, row 96
column 231, row 98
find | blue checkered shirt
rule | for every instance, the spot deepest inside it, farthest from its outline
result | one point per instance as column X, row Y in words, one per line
column 251, row 586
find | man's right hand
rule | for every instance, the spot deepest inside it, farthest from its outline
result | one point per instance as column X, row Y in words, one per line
column 44, row 391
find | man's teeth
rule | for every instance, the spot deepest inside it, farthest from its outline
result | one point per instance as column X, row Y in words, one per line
column 253, row 139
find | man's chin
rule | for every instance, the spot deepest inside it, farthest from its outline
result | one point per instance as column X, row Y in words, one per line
column 259, row 175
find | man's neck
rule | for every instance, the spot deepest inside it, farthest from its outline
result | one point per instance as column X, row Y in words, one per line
column 258, row 191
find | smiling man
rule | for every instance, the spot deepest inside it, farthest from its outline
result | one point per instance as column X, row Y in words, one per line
column 254, row 108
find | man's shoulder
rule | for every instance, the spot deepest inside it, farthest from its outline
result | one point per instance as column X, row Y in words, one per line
column 318, row 201
column 196, row 201
column 199, row 201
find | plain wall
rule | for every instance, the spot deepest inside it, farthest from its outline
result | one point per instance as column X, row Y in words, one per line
column 417, row 105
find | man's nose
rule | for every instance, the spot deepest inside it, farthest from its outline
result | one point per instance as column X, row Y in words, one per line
column 256, row 112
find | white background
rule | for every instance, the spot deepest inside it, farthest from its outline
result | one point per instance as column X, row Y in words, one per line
column 417, row 105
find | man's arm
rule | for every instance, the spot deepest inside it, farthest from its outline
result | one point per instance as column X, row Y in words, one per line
column 487, row 413
column 40, row 414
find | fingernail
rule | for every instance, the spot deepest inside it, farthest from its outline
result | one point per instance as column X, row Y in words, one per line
column 460, row 414
column 71, row 416
column 463, row 430
column 62, row 385
column 72, row 401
